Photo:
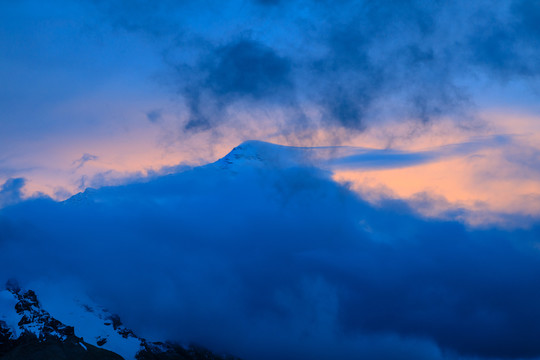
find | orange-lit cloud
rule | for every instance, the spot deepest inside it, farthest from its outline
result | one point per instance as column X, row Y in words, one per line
column 500, row 178
column 490, row 181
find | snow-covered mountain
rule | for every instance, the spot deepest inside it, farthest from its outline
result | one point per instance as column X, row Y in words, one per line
column 71, row 326
column 256, row 182
column 50, row 319
column 262, row 154
column 263, row 255
column 256, row 157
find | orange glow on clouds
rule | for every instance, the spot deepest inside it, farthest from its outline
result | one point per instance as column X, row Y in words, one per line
column 502, row 180
column 462, row 182
column 498, row 179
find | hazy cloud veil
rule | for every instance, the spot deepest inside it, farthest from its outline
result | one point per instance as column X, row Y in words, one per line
column 280, row 261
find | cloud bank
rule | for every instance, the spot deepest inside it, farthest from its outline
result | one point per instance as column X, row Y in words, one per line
column 266, row 260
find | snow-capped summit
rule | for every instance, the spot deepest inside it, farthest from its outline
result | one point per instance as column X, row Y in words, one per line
column 255, row 153
column 260, row 153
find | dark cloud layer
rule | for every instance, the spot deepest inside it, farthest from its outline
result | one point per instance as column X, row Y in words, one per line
column 416, row 59
column 507, row 47
column 244, row 69
column 247, row 68
column 270, row 261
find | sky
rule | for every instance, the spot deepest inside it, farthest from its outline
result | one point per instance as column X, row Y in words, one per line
column 419, row 114
column 95, row 92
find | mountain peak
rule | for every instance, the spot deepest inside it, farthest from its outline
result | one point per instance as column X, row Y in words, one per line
column 260, row 154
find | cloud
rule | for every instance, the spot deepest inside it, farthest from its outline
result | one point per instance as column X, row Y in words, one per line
column 365, row 64
column 506, row 45
column 291, row 263
column 268, row 2
column 154, row 115
column 248, row 68
column 11, row 191
column 241, row 70
column 142, row 16
column 79, row 163
column 351, row 158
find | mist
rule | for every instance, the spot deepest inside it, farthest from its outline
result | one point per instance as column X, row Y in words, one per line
column 268, row 260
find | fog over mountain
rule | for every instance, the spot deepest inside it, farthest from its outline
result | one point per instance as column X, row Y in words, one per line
column 263, row 255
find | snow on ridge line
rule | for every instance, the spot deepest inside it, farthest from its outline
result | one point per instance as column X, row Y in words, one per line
column 259, row 153
column 93, row 323
column 22, row 310
column 64, row 317
column 8, row 314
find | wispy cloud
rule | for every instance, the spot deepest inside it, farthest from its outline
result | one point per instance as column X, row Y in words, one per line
column 393, row 159
column 79, row 163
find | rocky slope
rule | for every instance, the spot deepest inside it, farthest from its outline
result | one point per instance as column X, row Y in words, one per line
column 29, row 331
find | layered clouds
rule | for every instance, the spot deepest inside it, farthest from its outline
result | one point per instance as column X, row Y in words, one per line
column 266, row 258
column 354, row 63
column 143, row 85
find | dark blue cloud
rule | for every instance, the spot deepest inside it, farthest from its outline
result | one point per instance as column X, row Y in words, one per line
column 268, row 2
column 469, row 291
column 362, row 158
column 11, row 191
column 292, row 264
column 243, row 69
column 248, row 68
column 363, row 53
column 507, row 45
column 150, row 17
column 79, row 163
column 527, row 13
column 154, row 115
column 360, row 55
column 357, row 63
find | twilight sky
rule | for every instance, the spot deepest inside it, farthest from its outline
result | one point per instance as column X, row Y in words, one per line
column 94, row 92
column 401, row 220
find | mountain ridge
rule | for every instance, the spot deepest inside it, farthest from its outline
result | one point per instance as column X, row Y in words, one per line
column 28, row 331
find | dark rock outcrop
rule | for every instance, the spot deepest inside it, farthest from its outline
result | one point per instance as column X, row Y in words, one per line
column 28, row 348
column 42, row 337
